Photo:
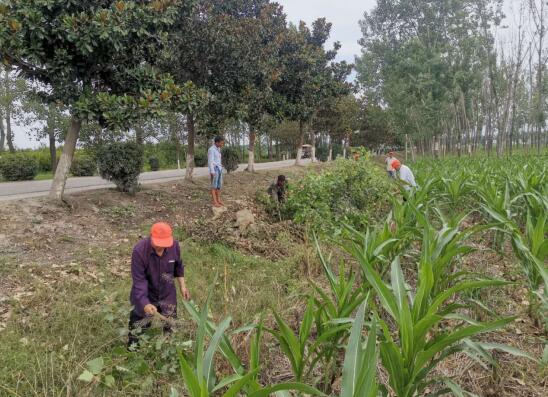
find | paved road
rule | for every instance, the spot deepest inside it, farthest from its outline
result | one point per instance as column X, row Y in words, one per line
column 27, row 189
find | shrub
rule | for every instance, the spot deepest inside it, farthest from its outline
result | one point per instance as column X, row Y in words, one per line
column 231, row 158
column 83, row 165
column 43, row 157
column 18, row 167
column 121, row 163
column 154, row 163
column 200, row 158
column 348, row 191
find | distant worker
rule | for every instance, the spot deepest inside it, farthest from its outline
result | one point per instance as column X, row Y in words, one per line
column 155, row 265
column 405, row 175
column 278, row 189
column 389, row 159
column 215, row 165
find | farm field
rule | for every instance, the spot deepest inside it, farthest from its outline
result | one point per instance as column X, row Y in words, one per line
column 443, row 292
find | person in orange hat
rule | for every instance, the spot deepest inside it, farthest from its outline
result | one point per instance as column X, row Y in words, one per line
column 405, row 175
column 156, row 267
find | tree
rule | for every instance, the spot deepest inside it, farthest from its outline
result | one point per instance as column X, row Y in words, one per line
column 339, row 118
column 228, row 51
column 12, row 93
column 426, row 63
column 309, row 75
column 96, row 57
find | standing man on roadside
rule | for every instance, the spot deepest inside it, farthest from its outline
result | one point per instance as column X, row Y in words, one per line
column 156, row 267
column 215, row 165
column 405, row 175
column 389, row 159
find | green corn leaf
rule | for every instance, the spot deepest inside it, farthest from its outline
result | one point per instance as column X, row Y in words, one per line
column 384, row 293
column 208, row 368
column 367, row 384
column 508, row 349
column 306, row 325
column 225, row 346
column 465, row 285
column 226, row 381
column 255, row 348
column 353, row 357
column 404, row 314
column 237, row 387
column 191, row 380
column 443, row 341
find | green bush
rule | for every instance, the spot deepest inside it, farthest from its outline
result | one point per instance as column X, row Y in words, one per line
column 83, row 165
column 121, row 163
column 43, row 157
column 18, row 167
column 231, row 158
column 200, row 158
column 154, row 163
column 348, row 192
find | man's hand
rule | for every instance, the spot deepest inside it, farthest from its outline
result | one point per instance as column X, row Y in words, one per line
column 186, row 293
column 150, row 310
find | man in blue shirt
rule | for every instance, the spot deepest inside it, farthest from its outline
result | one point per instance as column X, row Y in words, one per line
column 215, row 165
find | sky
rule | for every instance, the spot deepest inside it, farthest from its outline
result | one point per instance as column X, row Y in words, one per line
column 343, row 14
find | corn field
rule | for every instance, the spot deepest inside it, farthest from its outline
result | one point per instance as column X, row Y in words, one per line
column 399, row 301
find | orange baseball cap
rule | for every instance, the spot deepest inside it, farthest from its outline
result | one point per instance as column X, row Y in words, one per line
column 161, row 235
column 396, row 164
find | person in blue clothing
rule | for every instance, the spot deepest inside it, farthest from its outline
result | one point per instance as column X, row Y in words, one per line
column 215, row 165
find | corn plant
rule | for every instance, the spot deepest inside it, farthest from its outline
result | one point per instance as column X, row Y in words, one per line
column 360, row 362
column 379, row 246
column 457, row 188
column 332, row 317
column 531, row 247
column 499, row 207
column 198, row 371
column 296, row 346
column 421, row 342
column 442, row 247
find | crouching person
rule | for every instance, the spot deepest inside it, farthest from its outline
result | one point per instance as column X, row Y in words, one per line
column 156, row 267
column 278, row 189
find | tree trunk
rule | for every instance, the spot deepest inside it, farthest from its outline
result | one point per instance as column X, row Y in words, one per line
column 270, row 149
column 300, row 143
column 313, row 153
column 190, row 147
column 174, row 135
column 2, row 133
column 52, row 148
column 406, row 146
column 251, row 150
column 330, row 154
column 139, row 135
column 63, row 168
column 9, row 132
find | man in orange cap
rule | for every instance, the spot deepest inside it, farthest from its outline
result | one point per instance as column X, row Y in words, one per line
column 405, row 175
column 155, row 265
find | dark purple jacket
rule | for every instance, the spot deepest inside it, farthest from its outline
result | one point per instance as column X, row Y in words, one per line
column 153, row 277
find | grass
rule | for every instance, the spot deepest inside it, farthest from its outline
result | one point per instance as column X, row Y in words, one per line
column 66, row 323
